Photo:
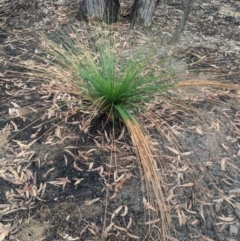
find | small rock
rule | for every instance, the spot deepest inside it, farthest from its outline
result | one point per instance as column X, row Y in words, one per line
column 233, row 230
column 61, row 2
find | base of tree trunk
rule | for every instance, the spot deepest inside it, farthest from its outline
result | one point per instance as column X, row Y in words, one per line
column 142, row 12
column 103, row 10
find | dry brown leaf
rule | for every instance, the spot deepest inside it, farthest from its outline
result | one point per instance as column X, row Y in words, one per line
column 15, row 112
column 48, row 171
column 204, row 203
column 68, row 237
column 206, row 238
column 226, row 219
column 14, row 126
column 201, row 212
column 190, row 211
column 75, row 166
column 15, row 105
column 223, row 164
column 97, row 143
column 115, row 213
column 90, row 202
column 234, row 166
column 4, row 230
column 121, row 135
column 33, row 191
column 106, row 136
column 195, row 222
column 226, row 181
column 132, row 236
column 4, row 133
column 183, row 168
column 199, row 130
column 84, row 229
column 127, row 158
column 106, row 230
column 184, row 217
column 11, row 179
column 218, row 204
column 43, row 189
column 129, row 223
column 187, row 153
column 225, row 147
column 36, row 133
column 120, row 183
column 125, row 211
column 28, row 189
column 181, row 217
column 24, row 146
column 77, row 181
column 58, row 132
column 117, row 179
column 69, row 152
column 190, row 184
column 147, row 205
column 32, row 109
column 120, row 228
column 65, row 160
column 90, row 167
column 60, row 182
column 170, row 196
column 173, row 150
column 114, row 195
column 152, row 221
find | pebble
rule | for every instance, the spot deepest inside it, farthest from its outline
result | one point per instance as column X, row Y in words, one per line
column 233, row 229
column 61, row 2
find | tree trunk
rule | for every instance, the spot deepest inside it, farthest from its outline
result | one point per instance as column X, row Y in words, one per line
column 104, row 10
column 142, row 12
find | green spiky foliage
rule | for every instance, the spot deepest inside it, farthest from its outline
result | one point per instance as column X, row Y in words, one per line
column 116, row 85
column 107, row 79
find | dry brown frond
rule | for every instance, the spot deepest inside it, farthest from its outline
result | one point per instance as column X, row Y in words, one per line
column 148, row 163
column 218, row 84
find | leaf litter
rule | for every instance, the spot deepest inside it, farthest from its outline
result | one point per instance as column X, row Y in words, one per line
column 184, row 177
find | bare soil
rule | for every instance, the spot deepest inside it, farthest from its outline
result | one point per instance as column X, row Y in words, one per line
column 63, row 185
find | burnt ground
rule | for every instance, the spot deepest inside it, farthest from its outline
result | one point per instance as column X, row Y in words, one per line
column 58, row 182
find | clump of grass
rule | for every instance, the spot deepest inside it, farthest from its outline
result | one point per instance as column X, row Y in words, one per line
column 118, row 87
column 122, row 84
column 104, row 79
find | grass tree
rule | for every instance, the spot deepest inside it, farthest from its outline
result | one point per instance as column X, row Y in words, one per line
column 125, row 84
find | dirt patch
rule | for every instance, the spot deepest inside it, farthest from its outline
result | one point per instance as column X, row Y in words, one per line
column 31, row 231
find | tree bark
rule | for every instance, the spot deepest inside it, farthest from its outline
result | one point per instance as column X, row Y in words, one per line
column 103, row 10
column 142, row 12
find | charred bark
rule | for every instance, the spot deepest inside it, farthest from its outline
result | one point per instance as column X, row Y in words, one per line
column 103, row 10
column 143, row 11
